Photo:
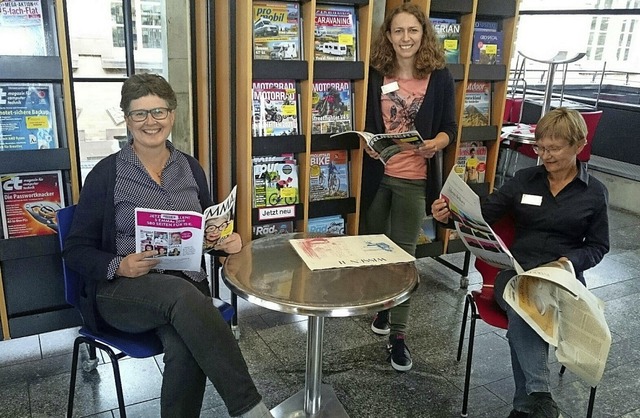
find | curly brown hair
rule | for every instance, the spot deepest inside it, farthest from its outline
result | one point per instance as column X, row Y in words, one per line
column 429, row 57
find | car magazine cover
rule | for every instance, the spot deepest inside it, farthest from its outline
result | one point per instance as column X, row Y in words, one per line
column 29, row 202
column 329, row 175
column 335, row 33
column 275, row 108
column 27, row 117
column 331, row 112
column 276, row 30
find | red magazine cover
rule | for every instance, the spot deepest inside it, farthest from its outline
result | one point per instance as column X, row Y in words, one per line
column 29, row 203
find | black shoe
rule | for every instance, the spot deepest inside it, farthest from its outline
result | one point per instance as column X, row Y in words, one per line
column 380, row 324
column 544, row 406
column 399, row 353
column 518, row 414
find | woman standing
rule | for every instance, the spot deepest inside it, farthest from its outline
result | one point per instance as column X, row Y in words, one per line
column 409, row 89
column 123, row 288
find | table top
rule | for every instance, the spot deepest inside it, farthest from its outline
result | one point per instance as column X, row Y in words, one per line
column 521, row 133
column 268, row 272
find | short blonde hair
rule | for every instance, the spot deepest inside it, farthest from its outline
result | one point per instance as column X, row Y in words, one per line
column 562, row 123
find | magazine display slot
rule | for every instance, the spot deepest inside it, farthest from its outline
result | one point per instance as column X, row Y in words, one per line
column 38, row 170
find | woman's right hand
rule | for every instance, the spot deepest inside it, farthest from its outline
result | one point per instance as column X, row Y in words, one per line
column 137, row 264
column 440, row 210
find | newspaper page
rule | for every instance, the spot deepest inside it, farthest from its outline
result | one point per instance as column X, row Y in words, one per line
column 321, row 253
column 388, row 145
column 176, row 236
column 218, row 224
column 566, row 315
column 473, row 230
column 549, row 297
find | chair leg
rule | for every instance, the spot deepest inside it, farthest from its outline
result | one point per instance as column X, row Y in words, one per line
column 117, row 378
column 592, row 399
column 72, row 379
column 467, row 373
column 462, row 327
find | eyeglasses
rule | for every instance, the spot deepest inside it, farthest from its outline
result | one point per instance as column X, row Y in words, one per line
column 220, row 227
column 552, row 150
column 140, row 115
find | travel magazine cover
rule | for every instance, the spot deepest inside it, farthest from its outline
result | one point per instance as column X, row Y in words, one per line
column 335, row 33
column 27, row 117
column 448, row 33
column 180, row 237
column 28, row 203
column 477, row 104
column 275, row 108
column 331, row 112
column 276, row 30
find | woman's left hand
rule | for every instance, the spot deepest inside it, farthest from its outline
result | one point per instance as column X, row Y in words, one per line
column 230, row 245
column 428, row 149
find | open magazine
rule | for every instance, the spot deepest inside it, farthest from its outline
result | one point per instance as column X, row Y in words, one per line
column 180, row 237
column 548, row 297
column 388, row 145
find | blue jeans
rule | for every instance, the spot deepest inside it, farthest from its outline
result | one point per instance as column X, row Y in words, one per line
column 397, row 211
column 529, row 352
column 197, row 341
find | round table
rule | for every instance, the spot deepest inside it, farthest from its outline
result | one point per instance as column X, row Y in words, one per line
column 268, row 272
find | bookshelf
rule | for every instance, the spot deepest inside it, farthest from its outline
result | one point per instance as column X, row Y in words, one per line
column 31, row 281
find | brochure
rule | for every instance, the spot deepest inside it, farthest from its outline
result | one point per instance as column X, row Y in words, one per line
column 180, row 237
column 548, row 297
column 321, row 253
column 28, row 203
column 388, row 145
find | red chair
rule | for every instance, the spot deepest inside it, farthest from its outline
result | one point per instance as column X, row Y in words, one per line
column 483, row 306
column 592, row 119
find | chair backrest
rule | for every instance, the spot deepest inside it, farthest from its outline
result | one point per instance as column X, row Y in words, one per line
column 592, row 119
column 504, row 228
column 72, row 280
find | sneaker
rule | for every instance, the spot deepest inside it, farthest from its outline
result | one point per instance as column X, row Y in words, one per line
column 399, row 353
column 380, row 324
column 518, row 414
column 544, row 406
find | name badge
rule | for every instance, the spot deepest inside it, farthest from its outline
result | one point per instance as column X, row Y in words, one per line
column 389, row 88
column 529, row 199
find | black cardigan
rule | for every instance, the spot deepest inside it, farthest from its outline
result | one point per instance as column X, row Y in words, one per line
column 436, row 114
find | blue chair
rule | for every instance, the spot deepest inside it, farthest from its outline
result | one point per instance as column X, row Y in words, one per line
column 141, row 345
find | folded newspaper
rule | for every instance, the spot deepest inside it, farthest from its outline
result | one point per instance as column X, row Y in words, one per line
column 180, row 237
column 387, row 145
column 548, row 297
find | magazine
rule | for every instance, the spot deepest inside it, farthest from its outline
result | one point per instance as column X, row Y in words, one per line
column 275, row 108
column 448, row 34
column 28, row 203
column 487, row 47
column 329, row 175
column 471, row 163
column 22, row 28
column 349, row 251
column 335, row 33
column 27, row 117
column 282, row 227
column 180, row 237
column 276, row 30
column 275, row 182
column 548, row 297
column 332, row 224
column 477, row 104
column 388, row 145
column 331, row 112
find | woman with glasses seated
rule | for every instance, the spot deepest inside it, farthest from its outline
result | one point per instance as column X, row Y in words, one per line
column 560, row 213
column 123, row 288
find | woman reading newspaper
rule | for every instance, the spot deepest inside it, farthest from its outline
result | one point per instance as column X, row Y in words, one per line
column 409, row 89
column 123, row 288
column 560, row 213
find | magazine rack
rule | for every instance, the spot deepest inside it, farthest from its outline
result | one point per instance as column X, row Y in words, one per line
column 31, row 283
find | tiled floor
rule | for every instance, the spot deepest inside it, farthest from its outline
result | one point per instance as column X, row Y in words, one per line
column 34, row 371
